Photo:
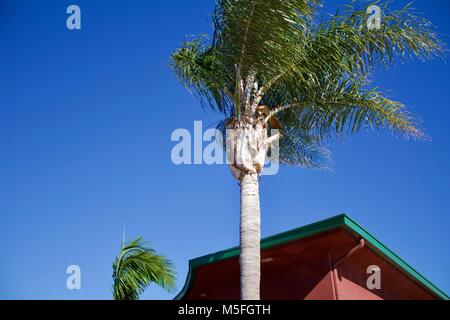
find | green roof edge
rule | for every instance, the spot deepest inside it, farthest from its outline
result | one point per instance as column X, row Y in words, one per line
column 340, row 221
column 391, row 256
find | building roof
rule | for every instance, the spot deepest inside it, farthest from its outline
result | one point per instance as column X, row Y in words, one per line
column 339, row 222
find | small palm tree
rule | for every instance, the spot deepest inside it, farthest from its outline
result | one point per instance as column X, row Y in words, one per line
column 137, row 267
column 276, row 64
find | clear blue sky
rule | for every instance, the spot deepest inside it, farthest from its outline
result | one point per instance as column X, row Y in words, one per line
column 85, row 124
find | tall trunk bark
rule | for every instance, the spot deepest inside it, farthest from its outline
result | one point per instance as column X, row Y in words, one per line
column 250, row 237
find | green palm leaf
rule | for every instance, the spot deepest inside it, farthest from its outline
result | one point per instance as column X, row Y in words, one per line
column 313, row 74
column 137, row 267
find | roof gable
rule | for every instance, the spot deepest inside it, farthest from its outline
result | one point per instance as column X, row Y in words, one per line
column 341, row 221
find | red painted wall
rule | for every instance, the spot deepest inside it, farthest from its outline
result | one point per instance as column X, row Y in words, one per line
column 301, row 270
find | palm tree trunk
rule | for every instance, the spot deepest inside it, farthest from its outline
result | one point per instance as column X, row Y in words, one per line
column 250, row 237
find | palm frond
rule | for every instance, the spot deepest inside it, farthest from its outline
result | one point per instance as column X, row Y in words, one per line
column 198, row 68
column 300, row 149
column 331, row 106
column 137, row 267
column 279, row 51
column 345, row 41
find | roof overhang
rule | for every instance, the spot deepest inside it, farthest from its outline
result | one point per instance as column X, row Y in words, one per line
column 338, row 222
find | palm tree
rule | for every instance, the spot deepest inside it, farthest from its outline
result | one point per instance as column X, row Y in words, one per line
column 137, row 267
column 274, row 63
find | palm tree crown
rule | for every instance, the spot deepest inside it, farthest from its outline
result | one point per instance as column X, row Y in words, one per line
column 272, row 64
column 313, row 75
column 137, row 267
